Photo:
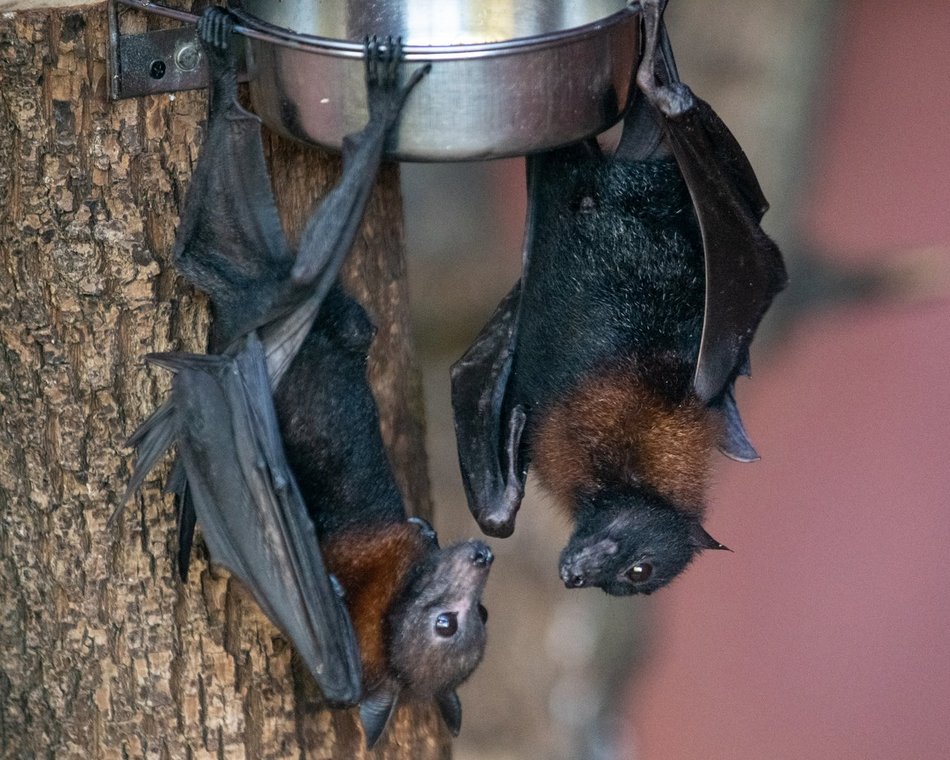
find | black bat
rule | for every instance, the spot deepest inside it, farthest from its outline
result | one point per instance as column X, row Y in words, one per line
column 610, row 366
column 415, row 607
column 382, row 612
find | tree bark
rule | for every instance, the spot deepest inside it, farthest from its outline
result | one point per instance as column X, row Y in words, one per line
column 103, row 653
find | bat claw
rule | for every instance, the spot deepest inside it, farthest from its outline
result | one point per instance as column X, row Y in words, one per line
column 383, row 61
column 337, row 587
column 393, row 59
column 371, row 52
column 425, row 529
column 215, row 27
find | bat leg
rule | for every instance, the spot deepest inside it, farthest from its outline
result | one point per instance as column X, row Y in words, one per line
column 743, row 267
column 384, row 96
column 331, row 231
column 671, row 98
column 215, row 30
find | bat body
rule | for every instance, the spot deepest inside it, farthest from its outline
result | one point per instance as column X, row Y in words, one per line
column 610, row 366
column 280, row 456
column 415, row 607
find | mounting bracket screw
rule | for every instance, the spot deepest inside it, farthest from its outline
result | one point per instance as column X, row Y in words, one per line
column 188, row 57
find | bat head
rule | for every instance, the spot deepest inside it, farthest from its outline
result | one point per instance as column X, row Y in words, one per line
column 436, row 628
column 631, row 542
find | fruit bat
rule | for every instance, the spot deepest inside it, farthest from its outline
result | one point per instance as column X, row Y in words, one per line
column 278, row 435
column 611, row 364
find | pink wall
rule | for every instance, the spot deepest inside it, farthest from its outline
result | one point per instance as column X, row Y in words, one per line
column 827, row 633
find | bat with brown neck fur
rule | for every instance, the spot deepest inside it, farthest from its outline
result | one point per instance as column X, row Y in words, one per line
column 278, row 435
column 610, row 366
column 416, row 609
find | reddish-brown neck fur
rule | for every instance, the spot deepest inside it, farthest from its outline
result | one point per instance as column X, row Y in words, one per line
column 372, row 563
column 613, row 428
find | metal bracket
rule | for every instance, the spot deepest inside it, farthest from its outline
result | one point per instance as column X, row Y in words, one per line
column 168, row 60
column 154, row 62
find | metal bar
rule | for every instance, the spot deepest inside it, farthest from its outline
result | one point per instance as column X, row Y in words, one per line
column 191, row 18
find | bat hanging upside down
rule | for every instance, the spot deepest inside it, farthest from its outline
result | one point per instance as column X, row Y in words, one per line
column 377, row 611
column 610, row 366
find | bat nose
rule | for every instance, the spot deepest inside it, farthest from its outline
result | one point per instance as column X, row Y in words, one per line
column 571, row 578
column 482, row 556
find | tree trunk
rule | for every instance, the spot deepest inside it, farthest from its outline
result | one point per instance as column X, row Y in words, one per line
column 103, row 653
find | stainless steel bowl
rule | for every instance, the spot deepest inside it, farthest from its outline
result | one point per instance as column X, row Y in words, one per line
column 508, row 76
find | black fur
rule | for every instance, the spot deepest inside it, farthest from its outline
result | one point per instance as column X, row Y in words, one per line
column 621, row 275
column 260, row 469
column 330, row 425
column 619, row 527
column 645, row 269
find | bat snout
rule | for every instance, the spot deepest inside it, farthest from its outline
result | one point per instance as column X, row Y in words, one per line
column 571, row 577
column 582, row 567
column 482, row 555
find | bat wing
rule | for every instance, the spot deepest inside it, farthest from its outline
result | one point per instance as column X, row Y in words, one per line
column 744, row 268
column 253, row 517
column 487, row 432
column 489, row 425
column 332, row 228
column 230, row 242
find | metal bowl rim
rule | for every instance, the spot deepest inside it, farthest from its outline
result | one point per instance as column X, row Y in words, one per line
column 349, row 49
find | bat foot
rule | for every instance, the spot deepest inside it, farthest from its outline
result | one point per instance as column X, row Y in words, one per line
column 383, row 61
column 672, row 98
column 215, row 28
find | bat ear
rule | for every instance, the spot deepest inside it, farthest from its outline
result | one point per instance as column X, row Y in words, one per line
column 700, row 539
column 450, row 707
column 375, row 712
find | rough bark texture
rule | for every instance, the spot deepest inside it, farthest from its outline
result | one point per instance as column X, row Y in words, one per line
column 103, row 654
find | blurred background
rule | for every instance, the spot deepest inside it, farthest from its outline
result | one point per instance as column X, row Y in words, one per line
column 827, row 633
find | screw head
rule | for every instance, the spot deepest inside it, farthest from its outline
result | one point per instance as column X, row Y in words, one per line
column 187, row 57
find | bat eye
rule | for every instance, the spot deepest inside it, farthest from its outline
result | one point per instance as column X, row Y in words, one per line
column 446, row 624
column 483, row 613
column 640, row 572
